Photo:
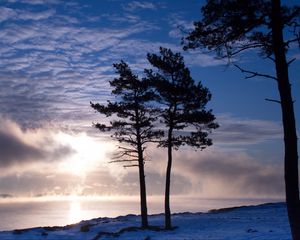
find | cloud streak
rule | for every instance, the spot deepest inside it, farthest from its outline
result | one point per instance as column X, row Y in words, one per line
column 136, row 5
column 238, row 131
column 233, row 174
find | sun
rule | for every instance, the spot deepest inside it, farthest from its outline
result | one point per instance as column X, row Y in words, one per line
column 88, row 153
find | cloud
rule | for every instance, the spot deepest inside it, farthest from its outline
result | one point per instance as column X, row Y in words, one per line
column 62, row 162
column 55, row 60
column 179, row 25
column 231, row 174
column 35, row 16
column 15, row 15
column 61, row 67
column 135, row 5
column 52, row 182
column 238, row 131
column 33, row 183
column 6, row 14
column 36, row 2
column 20, row 147
column 46, row 65
column 218, row 172
column 14, row 150
column 200, row 59
column 233, row 166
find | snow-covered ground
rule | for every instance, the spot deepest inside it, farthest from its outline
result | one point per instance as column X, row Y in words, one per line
column 262, row 222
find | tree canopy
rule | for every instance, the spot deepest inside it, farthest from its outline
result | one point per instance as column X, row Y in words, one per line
column 182, row 105
column 182, row 100
column 131, row 122
column 230, row 27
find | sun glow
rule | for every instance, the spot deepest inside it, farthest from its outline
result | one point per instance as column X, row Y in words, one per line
column 89, row 153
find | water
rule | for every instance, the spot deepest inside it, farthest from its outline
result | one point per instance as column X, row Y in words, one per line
column 18, row 214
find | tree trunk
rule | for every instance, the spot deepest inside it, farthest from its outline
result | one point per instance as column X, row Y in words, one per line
column 168, row 224
column 144, row 214
column 289, row 125
column 143, row 197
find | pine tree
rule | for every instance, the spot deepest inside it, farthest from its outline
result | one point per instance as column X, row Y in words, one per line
column 231, row 27
column 182, row 106
column 131, row 123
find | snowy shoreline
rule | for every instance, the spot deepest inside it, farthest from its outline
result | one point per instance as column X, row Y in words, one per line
column 261, row 222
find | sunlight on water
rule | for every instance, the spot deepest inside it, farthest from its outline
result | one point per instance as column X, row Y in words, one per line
column 75, row 211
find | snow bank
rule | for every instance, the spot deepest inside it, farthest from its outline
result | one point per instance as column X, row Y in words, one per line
column 262, row 222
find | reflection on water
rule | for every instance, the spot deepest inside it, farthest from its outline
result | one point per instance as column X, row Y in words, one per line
column 16, row 214
column 75, row 212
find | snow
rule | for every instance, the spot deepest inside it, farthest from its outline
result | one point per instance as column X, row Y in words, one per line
column 262, row 222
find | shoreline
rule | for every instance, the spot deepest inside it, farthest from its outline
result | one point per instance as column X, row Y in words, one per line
column 211, row 211
column 261, row 222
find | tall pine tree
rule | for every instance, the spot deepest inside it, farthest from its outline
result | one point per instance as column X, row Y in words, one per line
column 131, row 123
column 230, row 27
column 182, row 104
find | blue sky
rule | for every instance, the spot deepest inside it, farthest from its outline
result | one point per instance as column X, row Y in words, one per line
column 56, row 56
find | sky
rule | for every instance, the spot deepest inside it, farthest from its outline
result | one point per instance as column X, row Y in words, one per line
column 56, row 56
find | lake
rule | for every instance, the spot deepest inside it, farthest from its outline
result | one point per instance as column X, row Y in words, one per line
column 34, row 212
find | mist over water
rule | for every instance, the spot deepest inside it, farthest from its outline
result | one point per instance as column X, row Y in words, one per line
column 43, row 212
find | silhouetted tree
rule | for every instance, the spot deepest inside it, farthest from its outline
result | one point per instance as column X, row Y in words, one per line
column 230, row 27
column 182, row 103
column 132, row 123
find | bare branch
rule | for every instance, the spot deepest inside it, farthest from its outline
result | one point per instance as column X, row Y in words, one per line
column 123, row 160
column 146, row 130
column 272, row 59
column 127, row 140
column 254, row 74
column 133, row 165
column 127, row 149
column 151, row 141
column 287, row 43
column 120, row 155
column 272, row 100
column 246, row 47
column 291, row 61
